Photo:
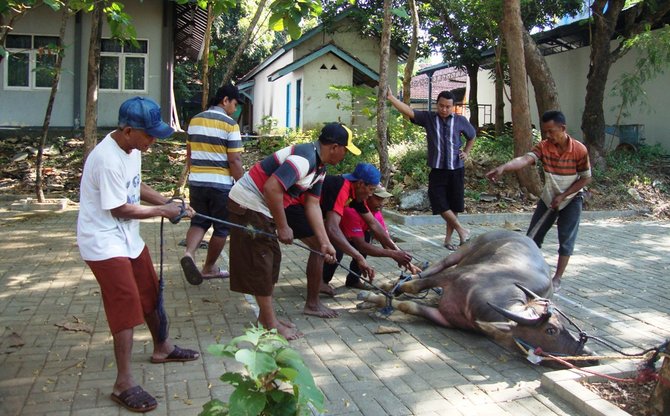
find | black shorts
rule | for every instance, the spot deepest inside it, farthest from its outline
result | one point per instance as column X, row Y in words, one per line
column 297, row 220
column 212, row 202
column 446, row 190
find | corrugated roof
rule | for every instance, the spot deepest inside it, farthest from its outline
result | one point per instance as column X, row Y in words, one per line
column 189, row 32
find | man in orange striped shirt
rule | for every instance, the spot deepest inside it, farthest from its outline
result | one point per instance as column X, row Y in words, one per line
column 566, row 171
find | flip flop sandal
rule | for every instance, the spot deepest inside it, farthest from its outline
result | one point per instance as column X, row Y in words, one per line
column 222, row 274
column 178, row 355
column 450, row 247
column 191, row 271
column 135, row 399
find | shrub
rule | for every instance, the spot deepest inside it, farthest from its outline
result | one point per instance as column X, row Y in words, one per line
column 270, row 366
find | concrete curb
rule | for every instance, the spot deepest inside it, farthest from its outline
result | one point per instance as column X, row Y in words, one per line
column 523, row 217
column 567, row 385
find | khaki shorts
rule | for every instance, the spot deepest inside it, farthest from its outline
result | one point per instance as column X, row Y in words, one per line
column 129, row 289
column 254, row 259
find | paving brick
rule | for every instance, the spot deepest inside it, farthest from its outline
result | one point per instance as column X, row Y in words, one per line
column 423, row 370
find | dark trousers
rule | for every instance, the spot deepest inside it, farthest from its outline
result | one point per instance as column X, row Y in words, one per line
column 352, row 280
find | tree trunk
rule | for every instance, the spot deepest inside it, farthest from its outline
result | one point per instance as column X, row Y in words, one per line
column 660, row 398
column 205, row 58
column 244, row 43
column 593, row 118
column 512, row 31
column 546, row 94
column 473, row 104
column 385, row 52
column 500, row 90
column 411, row 57
column 91, row 122
column 52, row 97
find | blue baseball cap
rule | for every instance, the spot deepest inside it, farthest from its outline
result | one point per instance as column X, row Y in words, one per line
column 365, row 172
column 144, row 114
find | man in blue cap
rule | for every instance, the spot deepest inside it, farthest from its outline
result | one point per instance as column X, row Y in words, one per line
column 351, row 191
column 108, row 236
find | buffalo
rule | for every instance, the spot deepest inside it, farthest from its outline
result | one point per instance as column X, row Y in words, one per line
column 498, row 284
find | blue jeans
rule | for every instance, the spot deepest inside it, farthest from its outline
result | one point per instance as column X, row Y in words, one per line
column 568, row 224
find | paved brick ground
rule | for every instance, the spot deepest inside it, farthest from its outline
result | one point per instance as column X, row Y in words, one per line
column 617, row 287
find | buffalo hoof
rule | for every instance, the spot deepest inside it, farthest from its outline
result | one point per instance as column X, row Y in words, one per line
column 363, row 295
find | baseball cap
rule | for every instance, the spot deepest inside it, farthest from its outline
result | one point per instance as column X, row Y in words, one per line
column 364, row 172
column 381, row 192
column 144, row 114
column 228, row 90
column 340, row 134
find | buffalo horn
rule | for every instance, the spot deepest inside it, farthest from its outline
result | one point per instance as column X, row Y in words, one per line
column 521, row 319
column 529, row 293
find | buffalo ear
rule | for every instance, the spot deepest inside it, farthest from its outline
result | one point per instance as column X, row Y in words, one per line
column 499, row 331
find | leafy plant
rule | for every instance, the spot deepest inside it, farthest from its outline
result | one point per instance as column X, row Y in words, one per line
column 271, row 367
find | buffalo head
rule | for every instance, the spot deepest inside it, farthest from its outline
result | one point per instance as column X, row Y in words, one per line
column 538, row 324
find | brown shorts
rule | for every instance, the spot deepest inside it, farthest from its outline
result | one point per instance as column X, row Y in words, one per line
column 129, row 289
column 254, row 259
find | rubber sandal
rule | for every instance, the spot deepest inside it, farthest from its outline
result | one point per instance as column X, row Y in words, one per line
column 178, row 355
column 135, row 399
column 191, row 271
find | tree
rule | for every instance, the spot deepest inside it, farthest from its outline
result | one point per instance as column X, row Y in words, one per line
column 512, row 29
column 58, row 50
column 603, row 54
column 92, row 76
column 461, row 48
column 382, row 122
column 411, row 57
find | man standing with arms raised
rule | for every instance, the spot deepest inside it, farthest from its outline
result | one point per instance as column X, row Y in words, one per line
column 446, row 182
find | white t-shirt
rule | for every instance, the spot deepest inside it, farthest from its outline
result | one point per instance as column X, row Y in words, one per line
column 111, row 178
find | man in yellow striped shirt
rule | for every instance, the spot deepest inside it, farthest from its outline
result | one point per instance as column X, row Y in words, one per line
column 213, row 150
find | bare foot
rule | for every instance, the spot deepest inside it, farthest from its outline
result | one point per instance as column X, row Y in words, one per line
column 320, row 310
column 326, row 289
column 464, row 238
column 286, row 323
column 290, row 333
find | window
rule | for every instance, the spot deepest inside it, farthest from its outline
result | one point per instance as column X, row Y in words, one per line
column 123, row 65
column 30, row 62
column 288, row 105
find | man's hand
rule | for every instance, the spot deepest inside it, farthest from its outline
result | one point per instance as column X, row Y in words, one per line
column 403, row 258
column 557, row 201
column 495, row 174
column 328, row 252
column 389, row 93
column 365, row 268
column 463, row 154
column 285, row 234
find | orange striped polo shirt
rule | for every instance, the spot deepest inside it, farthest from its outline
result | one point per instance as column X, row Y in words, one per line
column 561, row 169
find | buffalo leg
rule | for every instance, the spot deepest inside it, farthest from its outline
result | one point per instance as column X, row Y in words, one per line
column 408, row 307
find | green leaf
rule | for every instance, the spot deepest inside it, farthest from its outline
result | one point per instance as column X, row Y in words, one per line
column 400, row 12
column 276, row 23
column 293, row 28
column 246, row 402
column 289, row 373
column 289, row 357
column 54, row 4
column 282, row 404
column 233, row 378
column 214, row 407
column 224, row 350
column 257, row 363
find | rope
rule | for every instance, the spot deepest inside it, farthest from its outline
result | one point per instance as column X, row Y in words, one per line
column 255, row 231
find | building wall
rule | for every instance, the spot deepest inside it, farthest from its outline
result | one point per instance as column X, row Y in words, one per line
column 270, row 97
column 569, row 70
column 319, row 109
column 27, row 107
